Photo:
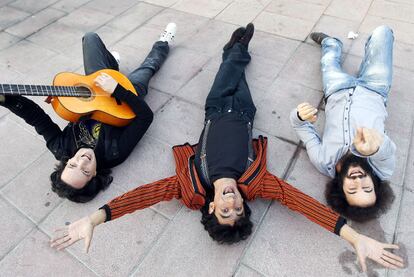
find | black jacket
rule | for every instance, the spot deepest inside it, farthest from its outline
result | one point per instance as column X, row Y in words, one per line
column 114, row 143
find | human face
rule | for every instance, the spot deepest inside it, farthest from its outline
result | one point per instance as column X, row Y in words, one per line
column 80, row 169
column 358, row 187
column 228, row 202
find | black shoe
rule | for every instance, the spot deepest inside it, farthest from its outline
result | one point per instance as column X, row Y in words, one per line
column 318, row 37
column 245, row 39
column 235, row 37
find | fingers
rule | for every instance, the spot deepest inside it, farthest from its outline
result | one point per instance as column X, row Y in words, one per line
column 392, row 259
column 58, row 242
column 63, row 234
column 391, row 246
column 65, row 244
column 307, row 112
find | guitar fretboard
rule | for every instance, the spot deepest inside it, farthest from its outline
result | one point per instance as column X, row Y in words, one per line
column 43, row 90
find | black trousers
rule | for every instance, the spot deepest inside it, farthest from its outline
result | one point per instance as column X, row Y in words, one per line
column 97, row 57
column 230, row 91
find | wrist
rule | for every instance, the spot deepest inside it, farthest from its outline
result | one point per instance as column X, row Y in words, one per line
column 97, row 217
column 349, row 234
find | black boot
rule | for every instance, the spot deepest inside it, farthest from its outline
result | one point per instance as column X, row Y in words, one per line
column 235, row 37
column 245, row 39
column 318, row 37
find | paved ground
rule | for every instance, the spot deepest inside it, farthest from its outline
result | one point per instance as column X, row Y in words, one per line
column 40, row 38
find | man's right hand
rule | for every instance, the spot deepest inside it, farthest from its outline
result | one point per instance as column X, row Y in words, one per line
column 78, row 230
column 307, row 112
column 81, row 229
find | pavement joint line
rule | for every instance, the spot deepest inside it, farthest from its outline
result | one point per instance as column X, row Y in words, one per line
column 252, row 269
column 259, row 224
column 153, row 244
column 22, row 170
column 25, row 236
column 397, row 223
column 222, row 10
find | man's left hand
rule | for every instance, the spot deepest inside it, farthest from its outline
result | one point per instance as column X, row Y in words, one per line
column 106, row 82
column 367, row 141
column 366, row 247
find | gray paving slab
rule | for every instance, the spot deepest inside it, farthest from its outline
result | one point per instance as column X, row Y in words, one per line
column 31, row 191
column 163, row 3
column 181, row 256
column 10, row 16
column 304, row 67
column 130, row 236
column 85, row 19
column 25, row 56
column 181, row 65
column 34, row 256
column 135, row 16
column 69, row 5
column 336, row 27
column 177, row 122
column 111, row 7
column 390, row 9
column 12, row 162
column 404, row 233
column 14, row 228
column 352, row 9
column 275, row 105
column 245, row 271
column 297, row 9
column 241, row 12
column 7, row 40
column 202, row 41
column 31, row 6
column 35, row 22
column 285, row 26
column 206, row 8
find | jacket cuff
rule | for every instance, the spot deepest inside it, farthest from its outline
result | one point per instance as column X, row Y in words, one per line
column 107, row 212
column 339, row 224
column 119, row 92
column 294, row 118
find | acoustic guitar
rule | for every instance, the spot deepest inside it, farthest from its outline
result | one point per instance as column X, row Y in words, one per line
column 73, row 96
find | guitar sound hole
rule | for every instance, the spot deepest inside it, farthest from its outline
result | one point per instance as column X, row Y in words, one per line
column 88, row 93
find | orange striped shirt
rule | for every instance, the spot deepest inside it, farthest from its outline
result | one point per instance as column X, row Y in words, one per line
column 255, row 182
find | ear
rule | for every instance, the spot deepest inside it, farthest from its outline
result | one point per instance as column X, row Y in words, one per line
column 211, row 208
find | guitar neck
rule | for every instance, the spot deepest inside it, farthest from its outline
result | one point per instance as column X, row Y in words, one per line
column 43, row 90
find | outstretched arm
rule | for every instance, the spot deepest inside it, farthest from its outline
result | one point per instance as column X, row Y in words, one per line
column 302, row 119
column 136, row 199
column 365, row 247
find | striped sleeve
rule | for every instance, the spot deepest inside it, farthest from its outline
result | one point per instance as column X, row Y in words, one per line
column 142, row 197
column 277, row 189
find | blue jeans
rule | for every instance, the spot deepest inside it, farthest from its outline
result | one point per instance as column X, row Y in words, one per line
column 375, row 72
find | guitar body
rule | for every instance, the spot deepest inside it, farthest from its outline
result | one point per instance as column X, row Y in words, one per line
column 100, row 105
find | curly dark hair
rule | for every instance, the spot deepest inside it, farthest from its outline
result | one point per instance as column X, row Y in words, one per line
column 224, row 233
column 100, row 182
column 335, row 195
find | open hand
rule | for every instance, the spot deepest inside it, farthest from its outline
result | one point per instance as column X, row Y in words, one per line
column 366, row 247
column 307, row 112
column 106, row 82
column 81, row 229
column 367, row 141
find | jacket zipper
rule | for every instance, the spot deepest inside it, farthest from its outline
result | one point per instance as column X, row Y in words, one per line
column 203, row 155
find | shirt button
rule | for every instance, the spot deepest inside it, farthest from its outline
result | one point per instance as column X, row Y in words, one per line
column 329, row 168
column 346, row 131
column 229, row 111
column 346, row 118
column 346, row 144
column 346, row 108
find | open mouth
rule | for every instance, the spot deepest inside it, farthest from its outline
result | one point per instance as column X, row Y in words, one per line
column 87, row 156
column 356, row 172
column 228, row 190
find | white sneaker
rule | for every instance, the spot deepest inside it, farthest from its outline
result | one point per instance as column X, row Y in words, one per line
column 116, row 56
column 169, row 32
